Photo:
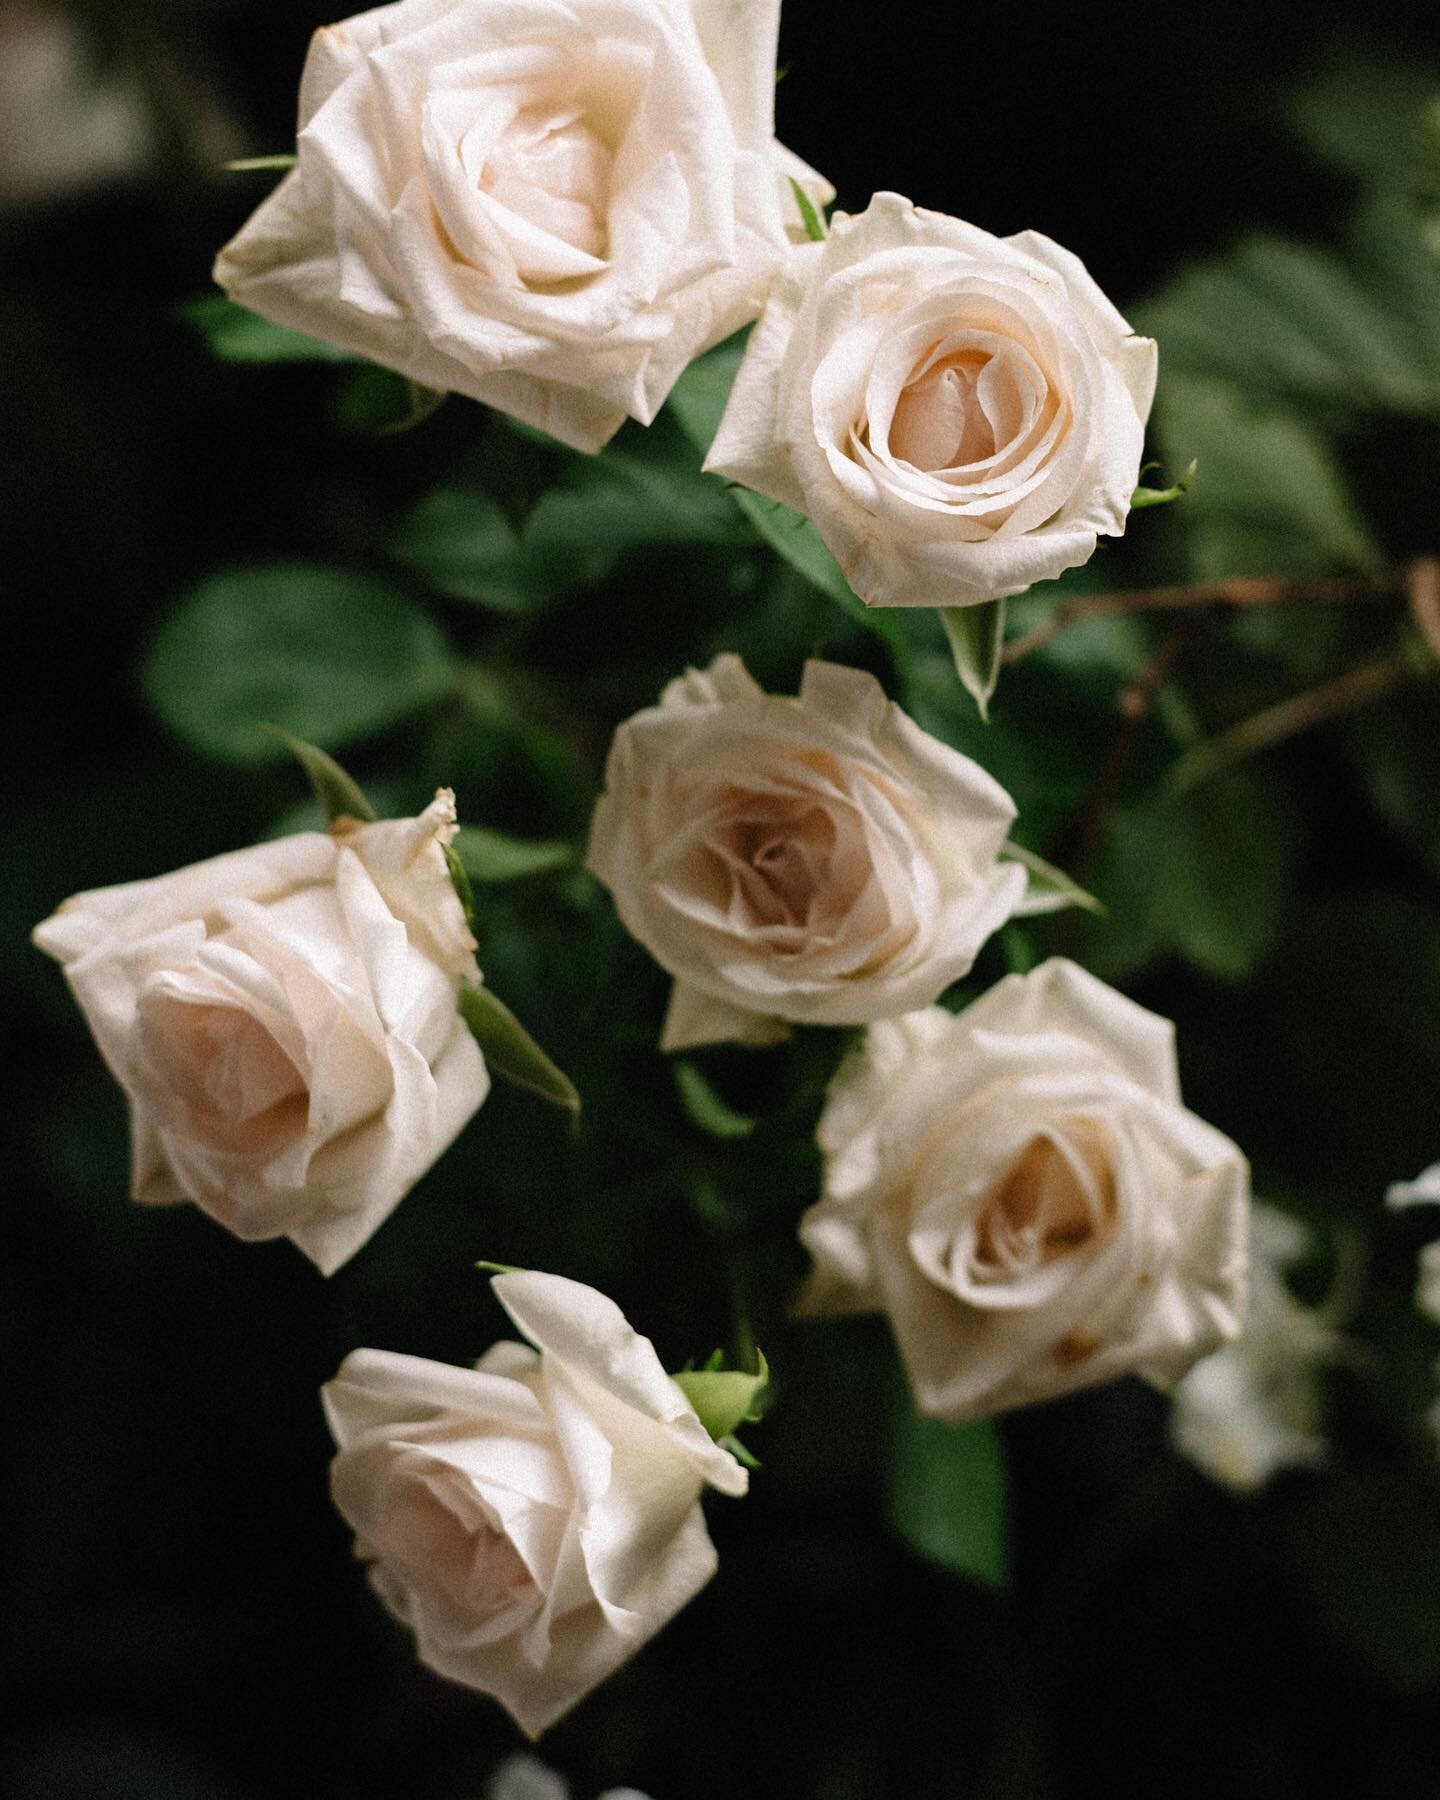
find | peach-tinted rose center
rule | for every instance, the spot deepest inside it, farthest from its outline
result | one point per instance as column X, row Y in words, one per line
column 1049, row 1203
column 432, row 1548
column 939, row 422
column 553, row 170
column 784, row 866
column 232, row 1079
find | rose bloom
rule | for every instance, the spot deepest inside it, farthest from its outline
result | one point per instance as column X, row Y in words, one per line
column 959, row 414
column 818, row 859
column 283, row 1020
column 1020, row 1189
column 1254, row 1407
column 551, row 207
column 536, row 1519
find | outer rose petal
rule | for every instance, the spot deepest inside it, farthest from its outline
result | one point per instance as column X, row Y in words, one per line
column 584, row 1331
column 694, row 1017
column 748, row 446
column 405, row 859
column 428, row 1111
column 1061, row 995
column 138, row 909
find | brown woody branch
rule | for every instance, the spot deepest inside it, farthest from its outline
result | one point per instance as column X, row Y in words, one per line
column 1262, row 590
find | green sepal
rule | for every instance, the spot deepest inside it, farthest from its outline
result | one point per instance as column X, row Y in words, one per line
column 340, row 795
column 461, row 881
column 976, row 635
column 703, row 1106
column 380, row 403
column 1149, row 496
column 235, row 334
column 1048, row 889
column 246, row 165
column 809, row 217
column 494, row 1268
column 745, row 1458
column 423, row 402
column 725, row 1399
column 511, row 1053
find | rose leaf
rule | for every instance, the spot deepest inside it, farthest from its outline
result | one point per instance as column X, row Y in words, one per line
column 947, row 1494
column 510, row 1051
column 235, row 334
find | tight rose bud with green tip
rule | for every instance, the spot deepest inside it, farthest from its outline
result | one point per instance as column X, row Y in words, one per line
column 548, row 205
column 1021, row 1190
column 960, row 415
column 536, row 1519
column 284, row 1023
column 819, row 859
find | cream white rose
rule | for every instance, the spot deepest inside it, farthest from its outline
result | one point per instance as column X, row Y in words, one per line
column 283, row 1020
column 959, row 414
column 536, row 1519
column 1020, row 1189
column 818, row 859
column 548, row 205
column 1254, row 1406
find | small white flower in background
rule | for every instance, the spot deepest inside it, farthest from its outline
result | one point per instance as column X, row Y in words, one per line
column 283, row 1021
column 1424, row 1190
column 551, row 207
column 66, row 120
column 1254, row 1407
column 536, row 1519
column 1021, row 1190
column 960, row 415
column 524, row 1777
column 818, row 859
